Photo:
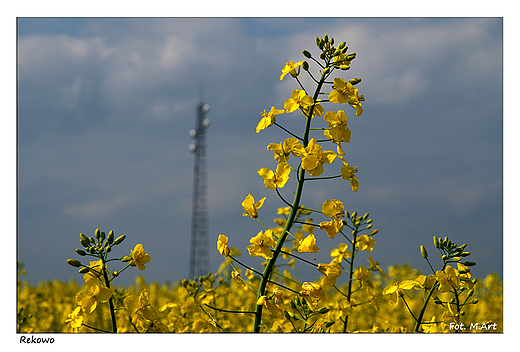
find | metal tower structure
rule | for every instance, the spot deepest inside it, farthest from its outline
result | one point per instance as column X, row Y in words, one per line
column 199, row 257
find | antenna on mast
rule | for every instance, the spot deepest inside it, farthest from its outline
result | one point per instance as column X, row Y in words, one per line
column 199, row 257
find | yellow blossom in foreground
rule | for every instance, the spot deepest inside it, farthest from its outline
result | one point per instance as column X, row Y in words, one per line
column 260, row 245
column 338, row 131
column 308, row 245
column 365, row 243
column 284, row 149
column 348, row 173
column 142, row 313
column 268, row 118
column 425, row 282
column 397, row 290
column 448, row 279
column 274, row 180
column 250, row 207
column 333, row 208
column 332, row 227
column 95, row 272
column 331, row 271
column 222, row 246
column 312, row 293
column 314, row 158
column 344, row 92
column 91, row 295
column 341, row 252
column 364, row 277
column 299, row 99
column 140, row 257
column 291, row 68
column 74, row 320
column 374, row 266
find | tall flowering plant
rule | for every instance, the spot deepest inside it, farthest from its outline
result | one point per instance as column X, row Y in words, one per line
column 98, row 289
column 305, row 156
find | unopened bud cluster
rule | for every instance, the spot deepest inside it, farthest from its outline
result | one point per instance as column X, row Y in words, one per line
column 451, row 251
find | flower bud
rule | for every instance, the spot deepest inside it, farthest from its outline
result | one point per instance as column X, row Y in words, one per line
column 307, row 54
column 435, row 242
column 337, row 52
column 81, row 252
column 74, row 262
column 469, row 263
column 373, row 232
column 305, row 66
column 470, row 292
column 350, row 57
column 102, row 236
column 84, row 240
column 119, row 239
column 456, row 259
column 286, row 314
column 342, row 45
column 424, row 253
column 115, row 273
column 463, row 246
column 465, row 254
column 110, row 238
column 292, row 304
column 261, row 301
column 323, row 56
column 355, row 81
column 326, row 38
column 328, row 324
column 475, row 301
column 92, row 240
column 97, row 233
column 84, row 270
column 323, row 310
column 126, row 259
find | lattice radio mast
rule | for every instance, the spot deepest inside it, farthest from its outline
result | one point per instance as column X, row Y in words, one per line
column 199, row 257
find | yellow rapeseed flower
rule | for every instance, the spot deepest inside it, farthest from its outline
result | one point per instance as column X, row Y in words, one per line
column 95, row 272
column 268, row 118
column 284, row 149
column 299, row 99
column 308, row 245
column 348, row 173
column 140, row 257
column 331, row 271
column 365, row 243
column 260, row 245
column 397, row 290
column 314, row 158
column 74, row 320
column 141, row 311
column 291, row 68
column 341, row 252
column 448, row 279
column 274, row 180
column 222, row 246
column 250, row 207
column 91, row 295
column 312, row 293
column 344, row 92
column 338, row 131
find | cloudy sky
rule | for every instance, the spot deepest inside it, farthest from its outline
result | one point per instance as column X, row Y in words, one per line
column 105, row 106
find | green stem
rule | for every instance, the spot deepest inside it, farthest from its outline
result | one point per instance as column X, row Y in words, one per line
column 294, row 210
column 351, row 273
column 423, row 309
column 110, row 302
